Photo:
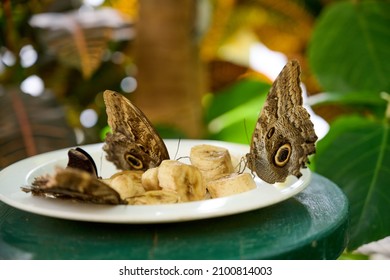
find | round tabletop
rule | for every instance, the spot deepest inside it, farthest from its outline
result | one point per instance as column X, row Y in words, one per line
column 310, row 225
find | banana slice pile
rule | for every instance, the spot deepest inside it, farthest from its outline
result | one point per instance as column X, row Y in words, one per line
column 210, row 175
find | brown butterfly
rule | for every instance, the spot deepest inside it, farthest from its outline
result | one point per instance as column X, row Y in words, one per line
column 133, row 144
column 284, row 135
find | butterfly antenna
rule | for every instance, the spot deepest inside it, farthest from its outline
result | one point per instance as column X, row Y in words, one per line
column 238, row 167
column 246, row 132
column 244, row 160
column 178, row 147
column 101, row 164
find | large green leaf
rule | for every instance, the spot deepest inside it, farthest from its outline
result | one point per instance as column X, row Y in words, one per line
column 237, row 125
column 367, row 103
column 235, row 95
column 356, row 155
column 231, row 114
column 349, row 98
column 349, row 49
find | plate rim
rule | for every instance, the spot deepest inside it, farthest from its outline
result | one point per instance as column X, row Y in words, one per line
column 165, row 213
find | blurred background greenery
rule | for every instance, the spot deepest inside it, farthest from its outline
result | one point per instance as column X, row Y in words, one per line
column 159, row 53
column 202, row 69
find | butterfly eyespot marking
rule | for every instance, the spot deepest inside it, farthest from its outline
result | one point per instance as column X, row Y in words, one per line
column 133, row 161
column 270, row 132
column 282, row 155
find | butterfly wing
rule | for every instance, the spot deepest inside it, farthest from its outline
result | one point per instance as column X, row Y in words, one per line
column 133, row 144
column 284, row 135
column 72, row 183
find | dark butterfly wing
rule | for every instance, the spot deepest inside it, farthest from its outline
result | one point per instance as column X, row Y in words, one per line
column 80, row 159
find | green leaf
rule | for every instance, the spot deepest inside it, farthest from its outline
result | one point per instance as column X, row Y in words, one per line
column 237, row 94
column 238, row 124
column 350, row 98
column 231, row 114
column 367, row 103
column 356, row 155
column 349, row 49
column 352, row 256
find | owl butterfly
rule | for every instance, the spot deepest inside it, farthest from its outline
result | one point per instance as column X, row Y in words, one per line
column 284, row 135
column 133, row 144
column 78, row 181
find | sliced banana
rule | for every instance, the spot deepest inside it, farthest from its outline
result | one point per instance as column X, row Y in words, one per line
column 150, row 179
column 182, row 178
column 230, row 184
column 214, row 162
column 126, row 183
column 154, row 197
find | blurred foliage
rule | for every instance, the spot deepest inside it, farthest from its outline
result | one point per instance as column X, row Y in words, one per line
column 77, row 60
column 349, row 53
column 343, row 48
column 231, row 113
column 356, row 155
column 75, row 72
column 356, row 35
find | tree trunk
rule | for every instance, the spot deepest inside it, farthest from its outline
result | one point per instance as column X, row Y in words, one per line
column 170, row 82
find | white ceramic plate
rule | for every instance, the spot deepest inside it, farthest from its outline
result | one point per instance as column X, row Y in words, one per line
column 23, row 172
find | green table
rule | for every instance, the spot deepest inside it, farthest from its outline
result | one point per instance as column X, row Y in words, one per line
column 311, row 225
